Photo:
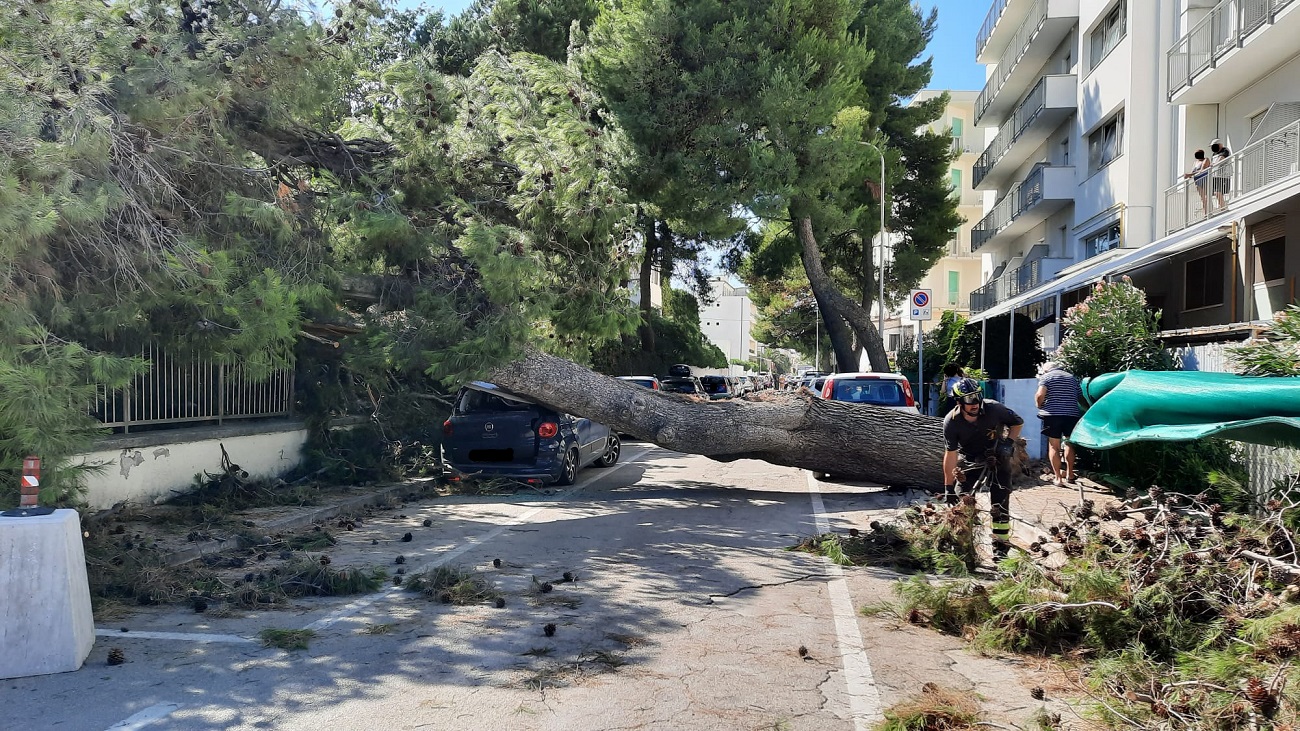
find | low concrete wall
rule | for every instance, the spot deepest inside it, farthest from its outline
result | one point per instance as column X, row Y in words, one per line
column 1018, row 395
column 154, row 466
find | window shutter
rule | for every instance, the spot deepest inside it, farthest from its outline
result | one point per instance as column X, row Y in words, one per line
column 1268, row 230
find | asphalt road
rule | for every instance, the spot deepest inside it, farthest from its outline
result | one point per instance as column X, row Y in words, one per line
column 688, row 612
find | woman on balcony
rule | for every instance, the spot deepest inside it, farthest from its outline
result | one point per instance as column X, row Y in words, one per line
column 1221, row 180
column 1199, row 173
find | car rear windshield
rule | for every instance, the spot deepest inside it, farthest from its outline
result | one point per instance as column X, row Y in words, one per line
column 714, row 384
column 682, row 386
column 881, row 392
column 477, row 402
column 648, row 383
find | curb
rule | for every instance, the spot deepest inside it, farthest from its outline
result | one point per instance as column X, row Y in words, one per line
column 297, row 520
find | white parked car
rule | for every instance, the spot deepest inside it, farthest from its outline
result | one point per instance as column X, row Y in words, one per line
column 890, row 390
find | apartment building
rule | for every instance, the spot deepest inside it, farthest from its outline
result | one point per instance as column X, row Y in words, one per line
column 960, row 270
column 1095, row 108
column 728, row 321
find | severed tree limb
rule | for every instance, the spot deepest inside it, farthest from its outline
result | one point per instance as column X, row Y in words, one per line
column 851, row 440
column 1270, row 561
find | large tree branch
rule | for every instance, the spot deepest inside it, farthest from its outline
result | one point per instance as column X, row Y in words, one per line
column 839, row 305
column 854, row 440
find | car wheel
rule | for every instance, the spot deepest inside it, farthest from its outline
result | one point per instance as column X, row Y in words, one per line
column 612, row 449
column 569, row 473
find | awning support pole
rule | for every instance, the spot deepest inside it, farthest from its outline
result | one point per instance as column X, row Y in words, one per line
column 1011, row 343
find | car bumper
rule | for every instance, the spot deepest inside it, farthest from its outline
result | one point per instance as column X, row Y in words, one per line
column 544, row 472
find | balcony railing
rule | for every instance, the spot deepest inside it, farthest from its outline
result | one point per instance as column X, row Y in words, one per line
column 173, row 391
column 1219, row 32
column 1022, row 196
column 1011, row 130
column 1018, row 280
column 1259, row 165
column 1010, row 57
column 990, row 22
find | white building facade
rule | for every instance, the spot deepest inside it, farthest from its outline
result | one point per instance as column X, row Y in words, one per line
column 728, row 321
column 1093, row 109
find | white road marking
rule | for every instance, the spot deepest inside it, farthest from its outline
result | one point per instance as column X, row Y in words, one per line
column 349, row 611
column 146, row 717
column 864, row 696
column 200, row 637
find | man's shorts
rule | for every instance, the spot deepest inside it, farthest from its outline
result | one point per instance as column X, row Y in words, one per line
column 1055, row 427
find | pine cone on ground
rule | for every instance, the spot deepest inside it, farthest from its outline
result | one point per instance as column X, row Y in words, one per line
column 1260, row 696
column 116, row 656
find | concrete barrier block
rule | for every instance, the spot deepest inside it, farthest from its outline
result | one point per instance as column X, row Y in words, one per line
column 45, row 621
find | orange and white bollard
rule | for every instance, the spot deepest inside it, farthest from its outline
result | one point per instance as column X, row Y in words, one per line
column 30, row 488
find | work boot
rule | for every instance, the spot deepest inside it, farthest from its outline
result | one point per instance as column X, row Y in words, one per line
column 1001, row 549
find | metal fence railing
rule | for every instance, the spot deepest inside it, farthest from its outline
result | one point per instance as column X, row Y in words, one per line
column 1223, row 29
column 175, row 391
column 1010, row 57
column 990, row 22
column 1011, row 130
column 1257, row 166
column 1022, row 196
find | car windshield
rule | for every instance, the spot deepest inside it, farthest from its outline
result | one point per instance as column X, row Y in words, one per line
column 647, row 382
column 476, row 402
column 714, row 384
column 881, row 392
column 679, row 386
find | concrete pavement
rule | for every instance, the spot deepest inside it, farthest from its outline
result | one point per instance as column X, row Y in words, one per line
column 687, row 613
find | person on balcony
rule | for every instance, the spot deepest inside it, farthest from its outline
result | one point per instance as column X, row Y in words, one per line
column 1199, row 174
column 1221, row 175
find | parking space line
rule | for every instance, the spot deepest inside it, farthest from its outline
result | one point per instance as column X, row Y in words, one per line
column 200, row 637
column 860, row 683
column 350, row 610
column 146, row 717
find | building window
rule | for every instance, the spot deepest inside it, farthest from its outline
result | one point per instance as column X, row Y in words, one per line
column 1204, row 282
column 954, row 287
column 893, row 341
column 1270, row 261
column 1106, row 143
column 1102, row 241
column 1108, row 33
column 956, row 181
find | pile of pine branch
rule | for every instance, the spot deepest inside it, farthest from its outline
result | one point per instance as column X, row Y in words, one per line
column 1183, row 613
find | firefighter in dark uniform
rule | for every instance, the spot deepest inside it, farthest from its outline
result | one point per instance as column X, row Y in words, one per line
column 981, row 435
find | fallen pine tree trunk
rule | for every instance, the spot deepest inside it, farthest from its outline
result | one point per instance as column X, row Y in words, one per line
column 796, row 430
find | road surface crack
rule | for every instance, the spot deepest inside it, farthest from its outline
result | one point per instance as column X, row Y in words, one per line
column 767, row 586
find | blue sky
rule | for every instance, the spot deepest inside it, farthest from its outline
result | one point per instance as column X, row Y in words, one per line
column 953, row 45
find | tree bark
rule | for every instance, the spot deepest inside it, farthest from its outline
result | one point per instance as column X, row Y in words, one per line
column 851, row 440
column 835, row 302
column 846, row 355
column 647, row 331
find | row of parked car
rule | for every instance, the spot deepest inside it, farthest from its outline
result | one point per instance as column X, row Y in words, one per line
column 493, row 432
column 712, row 387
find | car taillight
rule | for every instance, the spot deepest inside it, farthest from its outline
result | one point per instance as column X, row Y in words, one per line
column 548, row 429
column 907, row 392
column 828, row 388
column 654, row 385
column 446, row 427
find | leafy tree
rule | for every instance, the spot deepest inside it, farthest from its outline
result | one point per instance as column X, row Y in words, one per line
column 208, row 178
column 1112, row 330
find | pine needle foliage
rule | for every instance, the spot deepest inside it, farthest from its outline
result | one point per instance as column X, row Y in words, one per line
column 1185, row 622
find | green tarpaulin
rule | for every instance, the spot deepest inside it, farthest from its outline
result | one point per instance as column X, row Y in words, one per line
column 1136, row 406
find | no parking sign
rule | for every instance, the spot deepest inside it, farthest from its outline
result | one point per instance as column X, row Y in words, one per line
column 920, row 301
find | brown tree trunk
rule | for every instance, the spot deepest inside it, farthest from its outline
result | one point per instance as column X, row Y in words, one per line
column 853, row 440
column 835, row 302
column 647, row 331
